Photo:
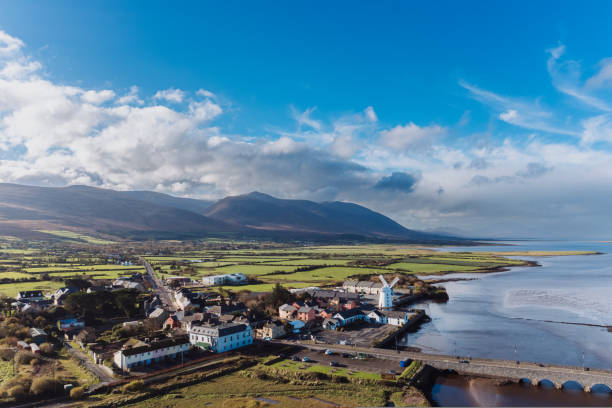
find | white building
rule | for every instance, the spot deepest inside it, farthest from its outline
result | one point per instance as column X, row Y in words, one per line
column 182, row 300
column 150, row 353
column 222, row 337
column 229, row 279
column 392, row 317
column 286, row 311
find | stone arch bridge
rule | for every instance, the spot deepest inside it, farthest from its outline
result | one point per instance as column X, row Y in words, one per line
column 533, row 373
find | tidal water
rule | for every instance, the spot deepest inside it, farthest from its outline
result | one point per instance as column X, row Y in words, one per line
column 556, row 313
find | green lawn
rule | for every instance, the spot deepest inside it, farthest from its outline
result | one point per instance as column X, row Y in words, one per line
column 415, row 267
column 309, row 262
column 235, row 390
column 324, row 275
column 253, row 269
column 325, row 369
column 11, row 289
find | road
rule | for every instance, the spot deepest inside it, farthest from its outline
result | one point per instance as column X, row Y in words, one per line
column 533, row 372
column 95, row 369
column 164, row 293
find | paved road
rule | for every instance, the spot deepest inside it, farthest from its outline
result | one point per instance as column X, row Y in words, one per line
column 164, row 293
column 483, row 367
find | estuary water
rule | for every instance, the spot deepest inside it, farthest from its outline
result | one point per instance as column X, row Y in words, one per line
column 547, row 314
column 556, row 313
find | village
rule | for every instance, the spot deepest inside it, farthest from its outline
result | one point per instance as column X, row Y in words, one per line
column 196, row 322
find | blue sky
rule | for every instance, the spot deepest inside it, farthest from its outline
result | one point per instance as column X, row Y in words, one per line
column 463, row 116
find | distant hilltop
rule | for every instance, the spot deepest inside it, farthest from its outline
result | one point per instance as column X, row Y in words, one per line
column 28, row 211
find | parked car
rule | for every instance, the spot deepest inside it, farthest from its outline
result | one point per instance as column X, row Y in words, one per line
column 305, row 359
column 464, row 362
column 295, row 358
column 346, row 355
column 328, row 352
column 333, row 364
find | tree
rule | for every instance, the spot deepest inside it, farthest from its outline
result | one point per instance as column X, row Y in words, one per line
column 45, row 386
column 278, row 296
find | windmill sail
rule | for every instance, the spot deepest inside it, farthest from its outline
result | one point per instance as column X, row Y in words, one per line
column 382, row 279
column 394, row 282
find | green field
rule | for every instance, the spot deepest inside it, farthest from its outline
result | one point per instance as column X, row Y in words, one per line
column 11, row 289
column 315, row 368
column 70, row 235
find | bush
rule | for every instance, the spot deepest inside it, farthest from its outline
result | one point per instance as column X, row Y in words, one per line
column 18, row 392
column 45, row 386
column 46, row 348
column 339, row 379
column 24, row 357
column 6, row 354
column 133, row 386
column 77, row 393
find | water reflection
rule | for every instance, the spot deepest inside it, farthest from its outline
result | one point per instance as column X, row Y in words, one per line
column 455, row 391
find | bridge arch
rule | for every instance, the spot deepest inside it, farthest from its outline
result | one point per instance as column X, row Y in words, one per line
column 525, row 380
column 546, row 383
column 572, row 385
column 599, row 388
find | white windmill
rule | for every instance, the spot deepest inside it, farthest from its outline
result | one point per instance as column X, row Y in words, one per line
column 385, row 299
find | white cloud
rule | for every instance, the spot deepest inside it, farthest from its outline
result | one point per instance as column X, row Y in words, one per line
column 205, row 93
column 525, row 114
column 130, row 97
column 304, row 118
column 411, row 136
column 370, row 114
column 9, row 44
column 170, row 95
column 98, row 97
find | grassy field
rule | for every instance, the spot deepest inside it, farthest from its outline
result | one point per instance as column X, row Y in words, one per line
column 327, row 265
column 70, row 235
column 6, row 370
column 237, row 391
column 71, row 371
column 11, row 289
column 315, row 368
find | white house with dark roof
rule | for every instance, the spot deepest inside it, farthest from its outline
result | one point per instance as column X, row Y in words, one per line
column 222, row 337
column 347, row 317
column 30, row 296
column 392, row 317
column 150, row 353
column 396, row 317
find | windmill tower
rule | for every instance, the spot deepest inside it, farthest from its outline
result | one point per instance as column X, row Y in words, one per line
column 385, row 298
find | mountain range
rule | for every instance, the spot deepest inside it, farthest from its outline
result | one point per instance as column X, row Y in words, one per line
column 28, row 211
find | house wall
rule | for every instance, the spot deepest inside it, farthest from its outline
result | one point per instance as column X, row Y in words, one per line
column 224, row 343
column 148, row 357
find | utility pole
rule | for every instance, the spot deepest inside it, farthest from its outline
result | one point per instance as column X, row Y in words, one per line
column 516, row 353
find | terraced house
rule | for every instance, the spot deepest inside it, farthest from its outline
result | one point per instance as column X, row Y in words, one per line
column 222, row 337
column 150, row 353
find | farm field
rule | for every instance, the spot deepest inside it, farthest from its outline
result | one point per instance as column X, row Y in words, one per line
column 30, row 266
column 12, row 289
column 296, row 267
column 70, row 235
